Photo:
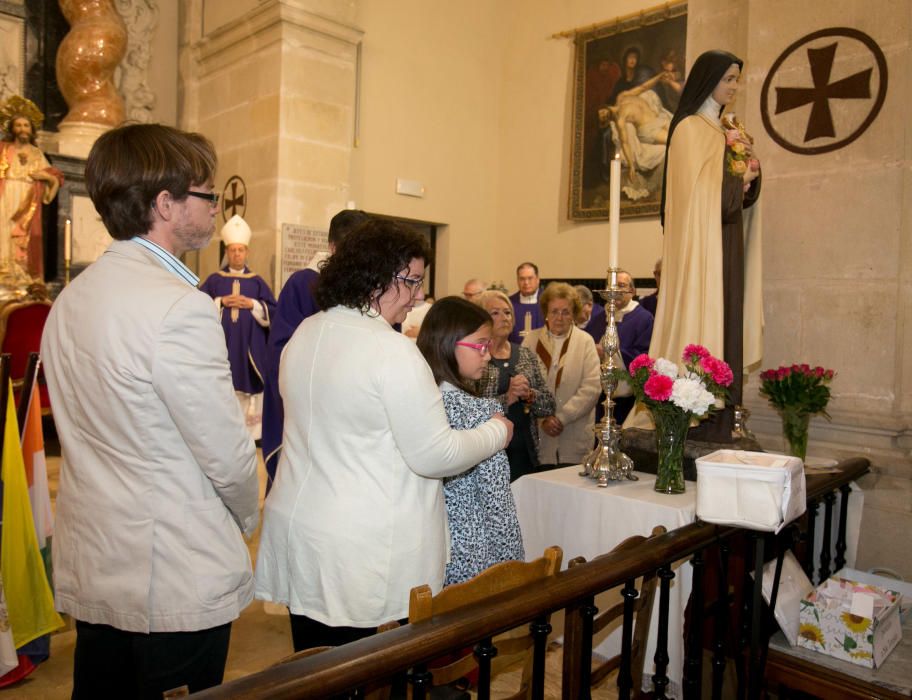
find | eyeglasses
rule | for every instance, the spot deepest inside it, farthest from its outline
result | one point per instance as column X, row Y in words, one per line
column 211, row 197
column 559, row 313
column 413, row 285
column 482, row 348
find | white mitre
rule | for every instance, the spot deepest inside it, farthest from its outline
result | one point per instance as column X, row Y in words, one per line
column 236, row 230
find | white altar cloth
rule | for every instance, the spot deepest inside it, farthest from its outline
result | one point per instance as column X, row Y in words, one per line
column 559, row 507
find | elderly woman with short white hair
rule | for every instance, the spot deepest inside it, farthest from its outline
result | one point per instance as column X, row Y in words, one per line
column 572, row 371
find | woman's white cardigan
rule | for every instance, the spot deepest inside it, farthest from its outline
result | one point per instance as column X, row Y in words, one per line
column 356, row 516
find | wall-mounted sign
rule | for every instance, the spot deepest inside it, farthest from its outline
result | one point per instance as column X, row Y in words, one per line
column 299, row 245
column 824, row 91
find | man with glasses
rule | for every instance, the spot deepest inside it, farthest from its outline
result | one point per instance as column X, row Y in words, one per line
column 245, row 305
column 473, row 289
column 633, row 321
column 159, row 476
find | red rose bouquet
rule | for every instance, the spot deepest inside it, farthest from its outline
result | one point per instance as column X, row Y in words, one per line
column 797, row 392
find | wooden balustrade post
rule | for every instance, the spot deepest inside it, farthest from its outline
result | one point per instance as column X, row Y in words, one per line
column 825, row 556
column 577, row 664
column 540, row 630
column 720, row 630
column 420, row 678
column 845, row 491
column 625, row 676
column 813, row 507
column 485, row 651
column 693, row 657
column 660, row 679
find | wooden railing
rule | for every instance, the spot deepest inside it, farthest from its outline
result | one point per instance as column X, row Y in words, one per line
column 346, row 668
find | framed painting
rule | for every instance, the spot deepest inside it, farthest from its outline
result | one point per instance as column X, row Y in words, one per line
column 628, row 79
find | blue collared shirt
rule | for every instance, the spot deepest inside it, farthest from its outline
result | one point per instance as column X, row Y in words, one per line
column 168, row 261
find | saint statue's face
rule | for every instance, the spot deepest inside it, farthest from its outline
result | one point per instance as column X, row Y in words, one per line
column 22, row 130
column 727, row 88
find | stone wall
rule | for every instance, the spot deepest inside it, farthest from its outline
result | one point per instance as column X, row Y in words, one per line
column 274, row 89
column 836, row 238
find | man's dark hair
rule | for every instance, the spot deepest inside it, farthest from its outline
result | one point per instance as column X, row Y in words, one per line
column 366, row 263
column 527, row 264
column 129, row 166
column 449, row 319
column 344, row 223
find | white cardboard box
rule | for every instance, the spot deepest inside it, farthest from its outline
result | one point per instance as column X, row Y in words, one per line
column 754, row 490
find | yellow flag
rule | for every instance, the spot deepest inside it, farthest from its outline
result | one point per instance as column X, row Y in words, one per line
column 28, row 595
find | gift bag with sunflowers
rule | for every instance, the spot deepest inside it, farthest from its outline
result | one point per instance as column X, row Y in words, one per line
column 852, row 621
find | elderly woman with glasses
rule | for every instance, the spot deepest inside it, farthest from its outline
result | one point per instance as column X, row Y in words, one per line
column 356, row 517
column 514, row 377
column 572, row 371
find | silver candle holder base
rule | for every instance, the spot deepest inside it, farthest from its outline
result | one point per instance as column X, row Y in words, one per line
column 607, row 462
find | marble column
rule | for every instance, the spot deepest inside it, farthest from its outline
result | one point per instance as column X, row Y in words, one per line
column 86, row 60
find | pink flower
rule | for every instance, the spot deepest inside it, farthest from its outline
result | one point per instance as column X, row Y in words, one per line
column 717, row 369
column 658, row 387
column 829, row 374
column 641, row 361
column 692, row 353
column 819, row 371
column 732, row 136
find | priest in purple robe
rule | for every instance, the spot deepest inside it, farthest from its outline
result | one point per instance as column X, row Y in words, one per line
column 246, row 306
column 296, row 302
column 527, row 316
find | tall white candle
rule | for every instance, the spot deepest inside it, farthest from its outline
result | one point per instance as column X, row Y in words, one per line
column 67, row 241
column 614, row 211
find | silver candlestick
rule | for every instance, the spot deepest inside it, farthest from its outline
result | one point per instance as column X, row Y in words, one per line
column 607, row 462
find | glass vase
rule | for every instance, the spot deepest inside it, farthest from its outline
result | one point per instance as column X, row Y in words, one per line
column 671, row 434
column 795, row 430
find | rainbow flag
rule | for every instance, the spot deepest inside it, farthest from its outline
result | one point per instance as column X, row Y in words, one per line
column 25, row 583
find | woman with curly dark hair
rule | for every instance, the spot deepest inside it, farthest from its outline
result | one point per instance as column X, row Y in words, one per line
column 356, row 515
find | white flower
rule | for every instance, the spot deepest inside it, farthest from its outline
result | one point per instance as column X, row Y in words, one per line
column 690, row 395
column 666, row 367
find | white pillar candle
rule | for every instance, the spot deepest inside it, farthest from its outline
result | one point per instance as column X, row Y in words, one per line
column 67, row 241
column 614, row 211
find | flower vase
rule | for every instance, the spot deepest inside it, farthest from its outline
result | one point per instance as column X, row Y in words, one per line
column 795, row 430
column 671, row 434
